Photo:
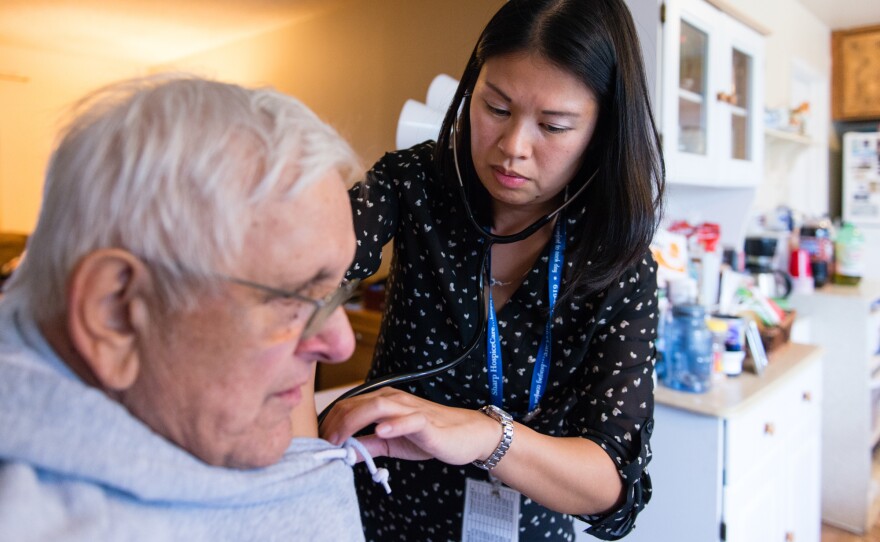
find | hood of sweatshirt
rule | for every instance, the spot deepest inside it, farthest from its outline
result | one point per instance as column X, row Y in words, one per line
column 52, row 420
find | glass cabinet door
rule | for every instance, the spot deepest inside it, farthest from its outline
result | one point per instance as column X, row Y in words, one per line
column 712, row 97
column 692, row 89
column 740, row 106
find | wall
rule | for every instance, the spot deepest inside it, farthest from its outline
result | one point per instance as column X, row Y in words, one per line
column 31, row 111
column 646, row 18
column 797, row 68
column 357, row 63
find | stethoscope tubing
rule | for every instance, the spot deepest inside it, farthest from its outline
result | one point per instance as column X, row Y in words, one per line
column 402, row 378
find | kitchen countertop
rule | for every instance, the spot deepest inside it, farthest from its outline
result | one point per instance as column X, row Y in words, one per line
column 733, row 393
column 866, row 288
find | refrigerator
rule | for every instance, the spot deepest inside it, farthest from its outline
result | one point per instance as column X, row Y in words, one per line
column 861, row 192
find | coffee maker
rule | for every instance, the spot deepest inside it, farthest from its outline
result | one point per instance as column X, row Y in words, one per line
column 760, row 260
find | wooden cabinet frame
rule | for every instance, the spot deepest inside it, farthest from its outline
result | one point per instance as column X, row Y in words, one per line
column 855, row 67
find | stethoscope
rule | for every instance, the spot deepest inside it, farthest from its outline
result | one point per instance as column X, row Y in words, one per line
column 488, row 239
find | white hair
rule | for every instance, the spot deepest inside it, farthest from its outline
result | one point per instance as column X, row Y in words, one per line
column 170, row 168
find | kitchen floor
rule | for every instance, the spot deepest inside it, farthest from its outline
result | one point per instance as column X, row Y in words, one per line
column 832, row 534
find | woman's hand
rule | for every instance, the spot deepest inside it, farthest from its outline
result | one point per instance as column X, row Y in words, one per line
column 412, row 428
column 538, row 466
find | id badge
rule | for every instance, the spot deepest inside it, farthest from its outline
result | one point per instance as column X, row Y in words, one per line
column 491, row 512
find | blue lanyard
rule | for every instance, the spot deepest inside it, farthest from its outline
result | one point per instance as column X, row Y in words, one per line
column 542, row 363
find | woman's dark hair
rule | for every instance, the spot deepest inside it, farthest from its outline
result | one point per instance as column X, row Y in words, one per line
column 596, row 41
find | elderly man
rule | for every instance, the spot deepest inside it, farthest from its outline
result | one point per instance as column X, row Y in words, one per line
column 183, row 280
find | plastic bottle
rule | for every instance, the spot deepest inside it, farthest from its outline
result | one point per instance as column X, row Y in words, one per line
column 849, row 264
column 815, row 238
column 718, row 328
column 688, row 360
column 660, row 344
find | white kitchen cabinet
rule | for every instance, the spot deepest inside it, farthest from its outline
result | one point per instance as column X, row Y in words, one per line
column 771, row 481
column 712, row 97
column 845, row 321
column 741, row 462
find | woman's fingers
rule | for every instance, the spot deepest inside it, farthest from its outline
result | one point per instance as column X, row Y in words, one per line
column 354, row 414
column 408, row 427
column 401, row 425
column 400, row 448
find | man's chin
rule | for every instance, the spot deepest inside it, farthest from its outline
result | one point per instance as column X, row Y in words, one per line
column 260, row 457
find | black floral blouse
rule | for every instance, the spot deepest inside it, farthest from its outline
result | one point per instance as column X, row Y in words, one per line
column 600, row 383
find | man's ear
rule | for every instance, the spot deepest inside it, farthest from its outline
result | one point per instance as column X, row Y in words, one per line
column 107, row 311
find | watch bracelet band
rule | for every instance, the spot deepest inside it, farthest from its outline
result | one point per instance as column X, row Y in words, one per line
column 506, row 422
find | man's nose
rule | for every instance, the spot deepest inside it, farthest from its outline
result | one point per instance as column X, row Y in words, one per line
column 333, row 343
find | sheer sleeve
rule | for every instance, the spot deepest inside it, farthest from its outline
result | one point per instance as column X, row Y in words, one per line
column 374, row 205
column 615, row 404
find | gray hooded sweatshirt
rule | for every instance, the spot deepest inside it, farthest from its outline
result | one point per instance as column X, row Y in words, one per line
column 75, row 465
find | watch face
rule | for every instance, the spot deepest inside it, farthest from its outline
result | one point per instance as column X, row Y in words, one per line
column 506, row 436
column 496, row 412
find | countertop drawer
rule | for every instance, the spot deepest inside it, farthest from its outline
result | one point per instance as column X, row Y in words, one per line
column 756, row 433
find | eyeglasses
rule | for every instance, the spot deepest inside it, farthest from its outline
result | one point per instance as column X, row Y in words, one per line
column 323, row 308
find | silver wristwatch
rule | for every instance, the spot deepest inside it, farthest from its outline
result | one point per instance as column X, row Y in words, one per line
column 506, row 422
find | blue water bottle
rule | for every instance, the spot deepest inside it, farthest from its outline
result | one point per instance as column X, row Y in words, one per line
column 688, row 350
column 663, row 310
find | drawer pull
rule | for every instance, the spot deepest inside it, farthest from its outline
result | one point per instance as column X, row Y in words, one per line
column 789, row 536
column 808, row 396
column 770, row 428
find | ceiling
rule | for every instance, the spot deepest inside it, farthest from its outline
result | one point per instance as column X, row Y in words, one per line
column 840, row 14
column 157, row 31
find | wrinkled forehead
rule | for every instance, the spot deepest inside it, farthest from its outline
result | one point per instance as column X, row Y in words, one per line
column 307, row 232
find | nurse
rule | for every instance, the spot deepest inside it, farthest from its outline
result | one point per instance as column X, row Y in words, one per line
column 550, row 418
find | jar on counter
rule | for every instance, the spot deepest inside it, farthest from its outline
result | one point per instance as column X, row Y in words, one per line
column 689, row 355
column 849, row 261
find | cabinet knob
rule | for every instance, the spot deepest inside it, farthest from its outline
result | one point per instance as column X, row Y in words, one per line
column 770, row 428
column 789, row 536
column 808, row 396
